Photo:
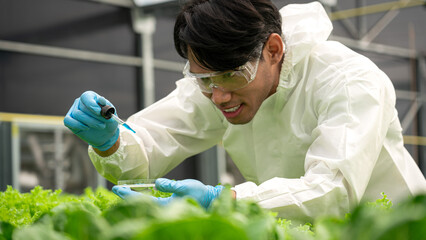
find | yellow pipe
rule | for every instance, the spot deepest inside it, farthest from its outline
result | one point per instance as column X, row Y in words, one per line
column 376, row 8
column 30, row 118
column 415, row 140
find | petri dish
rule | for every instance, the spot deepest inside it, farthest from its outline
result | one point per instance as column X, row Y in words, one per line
column 137, row 184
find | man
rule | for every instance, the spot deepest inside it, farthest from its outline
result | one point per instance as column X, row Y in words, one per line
column 311, row 125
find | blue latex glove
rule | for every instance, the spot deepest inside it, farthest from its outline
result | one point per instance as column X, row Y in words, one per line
column 125, row 192
column 84, row 120
column 203, row 194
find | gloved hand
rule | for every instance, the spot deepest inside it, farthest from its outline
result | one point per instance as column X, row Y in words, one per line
column 84, row 119
column 125, row 192
column 203, row 194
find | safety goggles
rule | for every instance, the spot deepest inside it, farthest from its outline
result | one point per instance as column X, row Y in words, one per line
column 226, row 81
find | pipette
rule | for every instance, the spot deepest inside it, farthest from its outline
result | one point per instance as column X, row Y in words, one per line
column 108, row 111
column 136, row 183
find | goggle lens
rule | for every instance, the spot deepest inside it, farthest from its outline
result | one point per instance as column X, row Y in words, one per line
column 229, row 81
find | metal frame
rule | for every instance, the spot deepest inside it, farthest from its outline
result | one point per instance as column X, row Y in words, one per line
column 118, row 3
column 24, row 122
column 365, row 43
column 16, row 149
column 363, row 40
column 145, row 26
column 83, row 55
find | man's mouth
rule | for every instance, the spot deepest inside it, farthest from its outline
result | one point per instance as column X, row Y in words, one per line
column 233, row 111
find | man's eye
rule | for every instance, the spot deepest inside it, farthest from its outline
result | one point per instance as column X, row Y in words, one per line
column 229, row 74
column 206, row 81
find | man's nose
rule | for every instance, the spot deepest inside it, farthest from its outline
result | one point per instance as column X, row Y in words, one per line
column 219, row 96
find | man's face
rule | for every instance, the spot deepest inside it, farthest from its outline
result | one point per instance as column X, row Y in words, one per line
column 240, row 106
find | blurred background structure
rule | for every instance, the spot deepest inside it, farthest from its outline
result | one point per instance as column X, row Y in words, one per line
column 51, row 51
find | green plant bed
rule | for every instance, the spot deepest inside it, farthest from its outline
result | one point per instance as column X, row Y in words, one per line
column 45, row 214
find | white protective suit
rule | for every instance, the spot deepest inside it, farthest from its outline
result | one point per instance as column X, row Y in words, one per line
column 327, row 139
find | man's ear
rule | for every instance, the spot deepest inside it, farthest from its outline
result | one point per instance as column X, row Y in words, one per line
column 274, row 48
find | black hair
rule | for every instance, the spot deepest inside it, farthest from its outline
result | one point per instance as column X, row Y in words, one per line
column 224, row 34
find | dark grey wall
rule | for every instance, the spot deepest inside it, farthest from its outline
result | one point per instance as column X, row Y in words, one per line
column 45, row 85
